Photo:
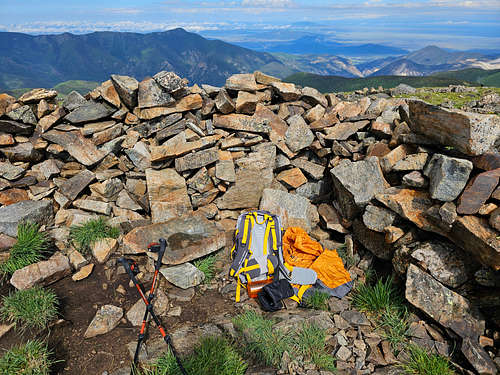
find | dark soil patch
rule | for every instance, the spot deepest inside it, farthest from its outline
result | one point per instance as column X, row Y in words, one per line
column 79, row 303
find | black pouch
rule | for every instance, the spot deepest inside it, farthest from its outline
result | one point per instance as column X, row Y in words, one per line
column 271, row 295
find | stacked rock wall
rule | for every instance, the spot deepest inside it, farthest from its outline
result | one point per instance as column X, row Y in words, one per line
column 413, row 183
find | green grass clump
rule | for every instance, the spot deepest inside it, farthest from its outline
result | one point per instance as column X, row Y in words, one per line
column 421, row 362
column 395, row 326
column 212, row 356
column 30, row 308
column 268, row 343
column 32, row 358
column 376, row 298
column 85, row 235
column 263, row 341
column 30, row 248
column 207, row 266
column 310, row 342
column 317, row 300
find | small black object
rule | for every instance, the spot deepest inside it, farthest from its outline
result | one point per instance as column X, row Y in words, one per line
column 271, row 295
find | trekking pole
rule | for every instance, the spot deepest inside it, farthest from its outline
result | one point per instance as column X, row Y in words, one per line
column 132, row 270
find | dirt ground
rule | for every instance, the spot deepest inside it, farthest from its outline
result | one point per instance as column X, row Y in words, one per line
column 79, row 302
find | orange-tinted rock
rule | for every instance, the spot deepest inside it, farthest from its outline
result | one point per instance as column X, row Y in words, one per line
column 292, row 177
column 109, row 93
column 278, row 128
column 475, row 236
column 329, row 119
column 47, row 121
column 488, row 161
column 6, row 140
column 382, row 129
column 12, row 196
column 331, row 218
column 410, row 204
column 379, row 149
column 187, row 103
column 168, row 195
column 159, row 153
column 5, row 101
column 477, row 192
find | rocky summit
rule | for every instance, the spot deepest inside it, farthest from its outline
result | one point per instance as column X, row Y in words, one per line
column 397, row 179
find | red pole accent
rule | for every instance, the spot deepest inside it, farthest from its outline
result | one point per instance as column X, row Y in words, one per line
column 162, row 331
column 143, row 327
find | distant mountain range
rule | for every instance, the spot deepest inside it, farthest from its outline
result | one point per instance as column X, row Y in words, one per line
column 320, row 44
column 47, row 60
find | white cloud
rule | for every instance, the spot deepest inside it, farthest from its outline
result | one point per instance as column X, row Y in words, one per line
column 267, row 3
column 123, row 11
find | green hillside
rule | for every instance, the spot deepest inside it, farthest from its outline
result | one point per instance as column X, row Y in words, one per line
column 83, row 87
column 339, row 84
column 476, row 75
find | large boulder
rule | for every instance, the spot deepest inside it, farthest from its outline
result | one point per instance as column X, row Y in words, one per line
column 168, row 195
column 445, row 306
column 188, row 237
column 356, row 184
column 127, row 88
column 294, row 210
column 40, row 212
column 447, row 176
column 470, row 133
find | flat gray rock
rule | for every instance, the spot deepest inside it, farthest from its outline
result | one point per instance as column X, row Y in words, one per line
column 88, row 112
column 81, row 148
column 40, row 212
column 183, row 276
column 15, row 127
column 298, row 135
column 23, row 114
column 448, row 176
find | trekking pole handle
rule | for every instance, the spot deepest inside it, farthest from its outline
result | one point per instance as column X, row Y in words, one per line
column 163, row 247
column 126, row 265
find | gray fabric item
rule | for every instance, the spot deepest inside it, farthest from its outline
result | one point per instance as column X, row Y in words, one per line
column 303, row 276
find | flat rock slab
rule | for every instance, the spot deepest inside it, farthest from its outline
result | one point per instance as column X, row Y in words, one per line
column 105, row 320
column 188, row 238
column 88, row 112
column 298, row 135
column 442, row 261
column 36, row 95
column 350, row 184
column 475, row 236
column 234, row 121
column 448, row 308
column 197, row 159
column 477, row 192
column 40, row 212
column 76, row 145
column 75, row 185
column 187, row 103
column 136, row 312
column 14, row 127
column 168, row 197
column 183, row 276
column 344, row 130
column 410, row 204
column 478, row 357
column 42, row 273
column 487, row 161
column 470, row 133
column 294, row 210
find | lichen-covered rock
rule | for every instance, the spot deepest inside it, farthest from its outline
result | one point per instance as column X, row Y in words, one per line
column 351, row 187
column 40, row 212
column 105, row 320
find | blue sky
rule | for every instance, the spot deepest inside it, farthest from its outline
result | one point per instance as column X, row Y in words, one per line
column 411, row 24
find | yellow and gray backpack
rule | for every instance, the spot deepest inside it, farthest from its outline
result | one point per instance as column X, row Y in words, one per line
column 257, row 253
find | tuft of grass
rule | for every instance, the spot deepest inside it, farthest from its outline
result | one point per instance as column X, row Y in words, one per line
column 263, row 341
column 421, row 362
column 317, row 300
column 269, row 344
column 31, row 308
column 85, row 235
column 310, row 343
column 212, row 356
column 30, row 248
column 395, row 326
column 376, row 298
column 207, row 266
column 32, row 358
